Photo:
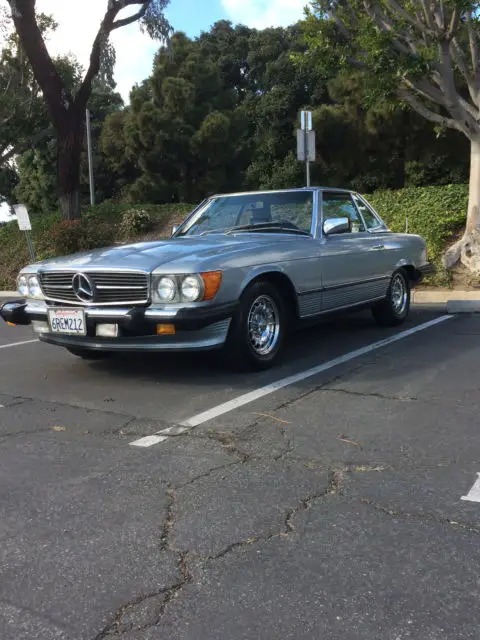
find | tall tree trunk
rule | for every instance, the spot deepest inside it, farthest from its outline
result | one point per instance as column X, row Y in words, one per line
column 69, row 149
column 467, row 249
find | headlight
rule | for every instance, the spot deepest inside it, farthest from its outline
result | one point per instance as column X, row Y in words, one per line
column 22, row 286
column 192, row 288
column 166, row 289
column 34, row 288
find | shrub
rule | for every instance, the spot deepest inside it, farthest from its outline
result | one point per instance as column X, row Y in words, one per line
column 436, row 213
column 79, row 235
column 135, row 222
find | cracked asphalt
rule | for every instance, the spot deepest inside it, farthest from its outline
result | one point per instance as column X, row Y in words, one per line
column 329, row 510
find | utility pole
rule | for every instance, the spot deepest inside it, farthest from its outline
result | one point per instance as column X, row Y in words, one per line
column 306, row 142
column 90, row 158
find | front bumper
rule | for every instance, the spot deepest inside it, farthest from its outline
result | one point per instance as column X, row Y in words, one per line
column 196, row 328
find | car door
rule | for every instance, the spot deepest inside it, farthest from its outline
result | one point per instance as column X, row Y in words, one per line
column 390, row 251
column 353, row 271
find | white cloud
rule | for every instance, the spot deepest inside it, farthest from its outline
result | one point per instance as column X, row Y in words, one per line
column 77, row 30
column 261, row 14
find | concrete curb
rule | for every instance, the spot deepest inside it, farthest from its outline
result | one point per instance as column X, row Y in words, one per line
column 436, row 296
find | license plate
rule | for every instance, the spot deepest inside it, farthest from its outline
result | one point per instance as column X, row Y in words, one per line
column 67, row 321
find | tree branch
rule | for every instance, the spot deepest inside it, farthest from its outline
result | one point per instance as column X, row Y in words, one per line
column 472, row 39
column 109, row 23
column 426, row 90
column 459, row 59
column 25, row 146
column 454, row 22
column 430, row 115
column 134, row 18
column 56, row 96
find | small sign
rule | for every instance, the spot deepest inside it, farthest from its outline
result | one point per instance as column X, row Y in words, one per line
column 306, row 120
column 308, row 138
column 23, row 218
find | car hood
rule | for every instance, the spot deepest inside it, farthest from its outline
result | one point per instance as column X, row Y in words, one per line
column 147, row 256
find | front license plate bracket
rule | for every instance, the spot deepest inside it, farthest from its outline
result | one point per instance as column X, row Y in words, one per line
column 67, row 321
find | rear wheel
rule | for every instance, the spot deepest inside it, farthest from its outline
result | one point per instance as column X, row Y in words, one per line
column 257, row 332
column 395, row 308
column 88, row 354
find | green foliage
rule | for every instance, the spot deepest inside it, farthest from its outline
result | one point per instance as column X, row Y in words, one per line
column 436, row 213
column 135, row 222
column 68, row 237
column 100, row 226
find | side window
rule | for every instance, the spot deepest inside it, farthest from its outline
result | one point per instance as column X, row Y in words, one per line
column 371, row 220
column 340, row 205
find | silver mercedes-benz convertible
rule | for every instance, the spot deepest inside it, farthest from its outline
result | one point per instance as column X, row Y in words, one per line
column 240, row 272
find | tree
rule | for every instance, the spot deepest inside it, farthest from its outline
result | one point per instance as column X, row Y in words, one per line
column 36, row 167
column 67, row 110
column 424, row 54
column 23, row 117
column 182, row 132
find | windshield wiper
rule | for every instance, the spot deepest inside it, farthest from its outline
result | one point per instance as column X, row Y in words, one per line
column 267, row 226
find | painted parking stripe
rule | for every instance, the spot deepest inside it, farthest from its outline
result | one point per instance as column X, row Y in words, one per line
column 474, row 494
column 16, row 344
column 160, row 436
column 247, row 398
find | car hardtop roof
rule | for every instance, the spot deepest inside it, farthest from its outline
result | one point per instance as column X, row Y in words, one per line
column 265, row 191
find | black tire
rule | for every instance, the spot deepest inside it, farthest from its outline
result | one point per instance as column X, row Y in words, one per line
column 394, row 309
column 243, row 349
column 88, row 354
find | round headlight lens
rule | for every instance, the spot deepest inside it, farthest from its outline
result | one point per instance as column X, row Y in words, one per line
column 34, row 287
column 191, row 288
column 22, row 286
column 167, row 289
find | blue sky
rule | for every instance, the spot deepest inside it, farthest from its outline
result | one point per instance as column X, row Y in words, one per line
column 77, row 29
column 194, row 16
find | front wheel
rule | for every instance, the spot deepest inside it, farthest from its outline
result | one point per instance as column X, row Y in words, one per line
column 395, row 308
column 257, row 332
column 88, row 354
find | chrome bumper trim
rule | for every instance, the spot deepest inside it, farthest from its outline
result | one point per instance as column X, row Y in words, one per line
column 211, row 337
column 155, row 312
column 107, row 312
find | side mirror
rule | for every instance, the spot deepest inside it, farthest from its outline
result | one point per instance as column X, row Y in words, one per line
column 336, row 225
column 174, row 228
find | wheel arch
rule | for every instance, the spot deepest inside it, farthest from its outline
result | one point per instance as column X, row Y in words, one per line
column 410, row 269
column 281, row 280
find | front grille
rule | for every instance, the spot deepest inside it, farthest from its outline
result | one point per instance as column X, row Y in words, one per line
column 109, row 288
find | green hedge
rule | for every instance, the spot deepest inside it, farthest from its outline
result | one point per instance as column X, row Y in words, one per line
column 100, row 226
column 436, row 213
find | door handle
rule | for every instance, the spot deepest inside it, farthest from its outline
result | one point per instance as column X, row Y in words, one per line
column 377, row 247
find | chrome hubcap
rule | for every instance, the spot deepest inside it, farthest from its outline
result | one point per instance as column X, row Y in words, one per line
column 263, row 325
column 399, row 294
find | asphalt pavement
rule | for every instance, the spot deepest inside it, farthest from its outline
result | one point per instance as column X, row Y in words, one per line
column 328, row 508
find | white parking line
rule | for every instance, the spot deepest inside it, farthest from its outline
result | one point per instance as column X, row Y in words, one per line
column 16, row 344
column 246, row 398
column 160, row 436
column 474, row 494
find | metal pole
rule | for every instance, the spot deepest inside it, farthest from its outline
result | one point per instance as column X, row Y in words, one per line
column 90, row 158
column 30, row 246
column 307, row 163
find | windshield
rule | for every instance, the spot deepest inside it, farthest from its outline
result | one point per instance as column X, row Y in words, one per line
column 277, row 212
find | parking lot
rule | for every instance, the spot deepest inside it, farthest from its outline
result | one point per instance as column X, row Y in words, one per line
column 152, row 497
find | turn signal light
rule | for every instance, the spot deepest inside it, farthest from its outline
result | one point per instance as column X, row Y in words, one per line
column 165, row 329
column 11, row 324
column 211, row 282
